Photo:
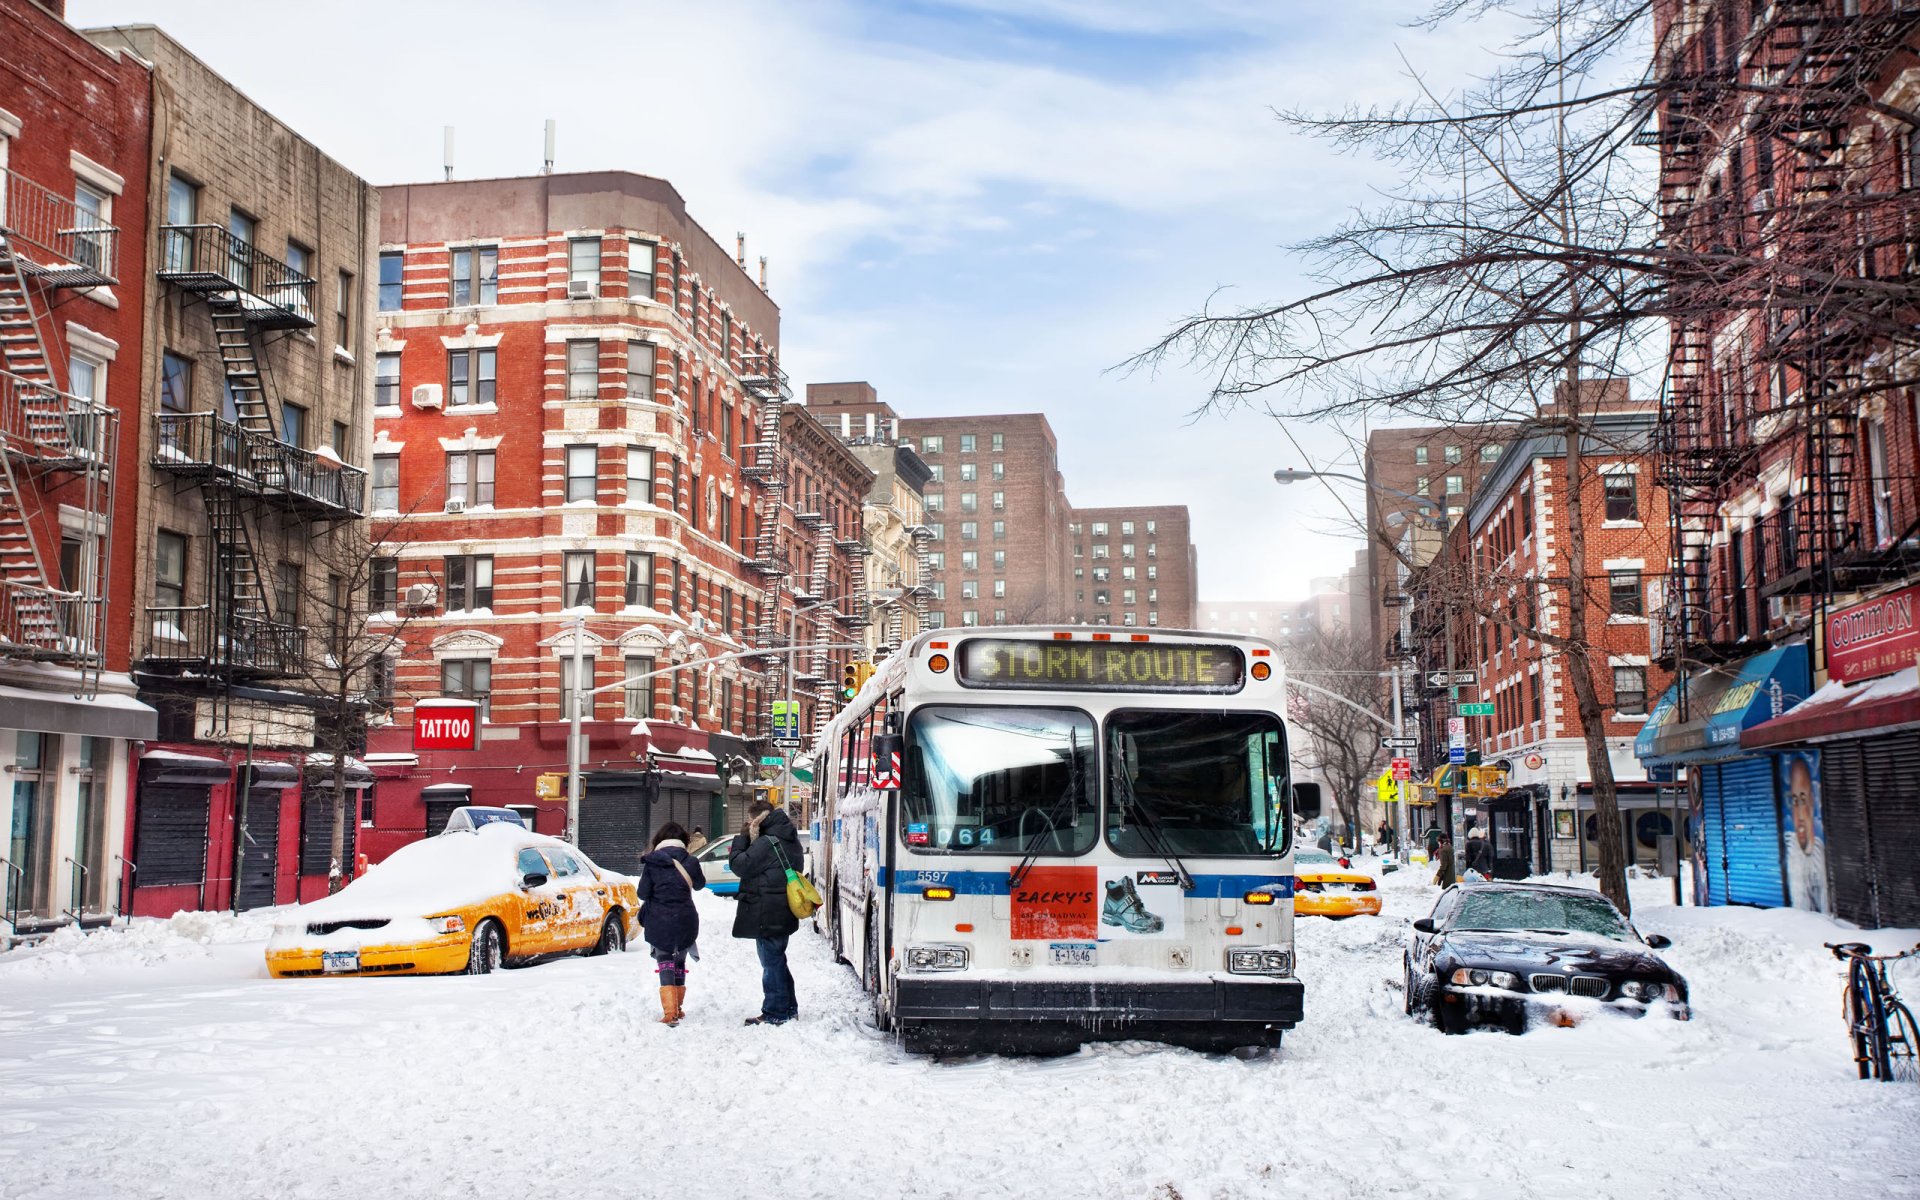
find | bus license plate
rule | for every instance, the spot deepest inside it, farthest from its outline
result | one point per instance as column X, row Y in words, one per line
column 1071, row 954
column 336, row 962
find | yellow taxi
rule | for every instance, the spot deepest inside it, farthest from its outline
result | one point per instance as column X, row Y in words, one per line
column 1323, row 887
column 468, row 900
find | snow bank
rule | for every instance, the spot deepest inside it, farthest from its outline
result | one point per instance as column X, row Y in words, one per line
column 184, row 938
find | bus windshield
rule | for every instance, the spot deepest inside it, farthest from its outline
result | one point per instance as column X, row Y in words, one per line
column 1199, row 783
column 1000, row 780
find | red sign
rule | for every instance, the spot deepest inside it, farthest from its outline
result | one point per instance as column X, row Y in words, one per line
column 446, row 725
column 1050, row 903
column 1878, row 637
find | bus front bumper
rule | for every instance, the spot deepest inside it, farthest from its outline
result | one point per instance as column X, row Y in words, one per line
column 1277, row 1003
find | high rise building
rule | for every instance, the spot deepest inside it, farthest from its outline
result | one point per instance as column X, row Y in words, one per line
column 1135, row 566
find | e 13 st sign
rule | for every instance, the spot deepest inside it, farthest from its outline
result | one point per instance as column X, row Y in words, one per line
column 446, row 725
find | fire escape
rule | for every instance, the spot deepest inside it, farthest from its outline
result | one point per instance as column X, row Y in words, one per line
column 767, row 468
column 57, row 449
column 246, row 474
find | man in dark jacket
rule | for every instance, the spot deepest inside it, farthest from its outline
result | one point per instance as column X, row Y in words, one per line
column 760, row 856
column 1479, row 852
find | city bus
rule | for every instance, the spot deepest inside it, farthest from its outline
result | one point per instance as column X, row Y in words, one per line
column 1030, row 837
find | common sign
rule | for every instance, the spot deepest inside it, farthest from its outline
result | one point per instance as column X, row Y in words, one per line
column 446, row 725
column 1101, row 667
column 1878, row 637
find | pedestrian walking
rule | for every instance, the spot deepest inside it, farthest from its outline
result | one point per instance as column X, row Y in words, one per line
column 1383, row 838
column 698, row 841
column 669, row 875
column 765, row 849
column 1433, row 842
column 1444, row 876
column 1479, row 853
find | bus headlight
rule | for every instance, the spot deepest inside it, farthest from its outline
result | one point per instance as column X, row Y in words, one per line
column 936, row 958
column 1259, row 960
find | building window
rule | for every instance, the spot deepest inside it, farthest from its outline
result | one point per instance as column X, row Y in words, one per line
column 587, row 680
column 1153, row 595
column 468, row 679
column 640, row 258
column 969, row 560
column 999, row 470
column 968, row 472
column 240, row 234
column 639, row 475
column 470, row 377
column 938, row 529
column 969, row 589
column 1100, row 550
column 936, row 619
column 1099, row 529
column 969, row 617
column 1879, row 486
column 169, row 583
column 933, row 443
column 966, row 443
column 183, row 208
column 1490, row 452
column 939, row 474
column 583, row 473
column 470, row 477
column 583, row 265
column 383, row 584
column 469, row 582
column 1421, row 485
column 639, row 580
column 1102, row 597
column 1126, row 573
column 1456, row 484
column 999, row 560
column 639, row 689
column 343, row 313
column 1419, row 456
column 286, row 593
column 1126, row 529
column 999, row 589
column 1153, row 572
column 1629, row 690
column 1623, row 594
column 583, row 370
column 1126, row 618
column 293, row 424
column 176, row 383
column 1153, row 617
column 935, row 502
column 1623, row 497
column 393, row 265
column 999, row 531
column 969, row 531
column 639, row 370
column 300, row 264
column 999, row 502
column 1452, row 454
column 969, row 502
column 999, row 442
column 1127, row 596
column 939, row 587
column 1102, row 574
column 576, row 588
column 999, row 616
column 476, row 275
column 1126, row 551
column 386, row 380
column 386, row 483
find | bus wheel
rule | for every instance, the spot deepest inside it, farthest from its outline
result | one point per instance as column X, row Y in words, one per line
column 870, row 978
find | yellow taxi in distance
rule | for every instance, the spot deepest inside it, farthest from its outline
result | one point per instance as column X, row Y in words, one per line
column 468, row 900
column 1324, row 888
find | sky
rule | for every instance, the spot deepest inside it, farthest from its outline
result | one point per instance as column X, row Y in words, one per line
column 978, row 206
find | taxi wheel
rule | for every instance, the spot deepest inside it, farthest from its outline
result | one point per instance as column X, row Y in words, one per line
column 613, row 938
column 488, row 952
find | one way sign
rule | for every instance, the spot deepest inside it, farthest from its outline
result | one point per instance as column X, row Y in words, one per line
column 1400, row 743
column 1441, row 679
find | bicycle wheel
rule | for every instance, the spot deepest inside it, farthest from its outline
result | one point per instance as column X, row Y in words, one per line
column 1902, row 1044
column 1865, row 1018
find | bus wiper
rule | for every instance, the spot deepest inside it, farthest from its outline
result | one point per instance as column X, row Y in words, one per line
column 1151, row 831
column 1071, row 796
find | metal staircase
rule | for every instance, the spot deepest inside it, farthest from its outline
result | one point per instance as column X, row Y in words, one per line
column 766, row 468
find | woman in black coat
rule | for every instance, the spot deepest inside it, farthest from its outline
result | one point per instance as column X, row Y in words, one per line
column 760, row 856
column 668, row 919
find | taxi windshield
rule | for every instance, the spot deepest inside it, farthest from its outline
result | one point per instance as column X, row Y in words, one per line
column 1000, row 780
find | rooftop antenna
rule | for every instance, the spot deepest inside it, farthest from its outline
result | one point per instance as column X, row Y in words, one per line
column 446, row 154
column 548, row 168
column 763, row 272
column 740, row 250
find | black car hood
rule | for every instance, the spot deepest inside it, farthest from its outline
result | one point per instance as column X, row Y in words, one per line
column 1525, row 952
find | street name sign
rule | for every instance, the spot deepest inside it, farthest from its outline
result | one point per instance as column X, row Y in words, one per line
column 1473, row 709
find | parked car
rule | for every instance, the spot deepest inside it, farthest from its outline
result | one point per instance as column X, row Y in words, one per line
column 467, row 900
column 1325, row 887
column 721, row 880
column 1511, row 953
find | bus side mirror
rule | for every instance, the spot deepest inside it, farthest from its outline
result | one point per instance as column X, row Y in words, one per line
column 1306, row 800
column 886, row 748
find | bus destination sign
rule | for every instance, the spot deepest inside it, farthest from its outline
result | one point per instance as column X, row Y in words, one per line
column 1211, row 669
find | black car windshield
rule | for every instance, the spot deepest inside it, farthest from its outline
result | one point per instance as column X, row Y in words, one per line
column 999, row 780
column 1545, row 912
column 1206, row 784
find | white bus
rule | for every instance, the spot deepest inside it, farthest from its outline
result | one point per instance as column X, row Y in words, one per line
column 1088, row 837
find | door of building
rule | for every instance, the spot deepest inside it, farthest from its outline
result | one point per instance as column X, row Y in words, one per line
column 259, row 853
column 1871, row 824
column 615, row 822
column 1742, row 817
column 170, row 834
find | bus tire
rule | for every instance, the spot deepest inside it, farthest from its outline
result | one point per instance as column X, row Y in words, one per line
column 870, row 977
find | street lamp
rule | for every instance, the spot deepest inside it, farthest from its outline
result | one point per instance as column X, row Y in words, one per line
column 1295, row 475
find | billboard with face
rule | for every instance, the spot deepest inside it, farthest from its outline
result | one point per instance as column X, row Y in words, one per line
column 1804, row 846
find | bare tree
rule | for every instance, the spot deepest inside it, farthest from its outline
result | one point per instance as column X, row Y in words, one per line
column 1341, row 743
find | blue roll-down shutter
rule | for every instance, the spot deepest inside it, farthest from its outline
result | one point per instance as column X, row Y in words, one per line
column 1743, row 820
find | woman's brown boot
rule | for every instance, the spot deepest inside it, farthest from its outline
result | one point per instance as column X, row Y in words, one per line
column 669, row 1011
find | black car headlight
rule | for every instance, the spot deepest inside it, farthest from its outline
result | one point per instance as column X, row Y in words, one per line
column 1474, row 977
column 1647, row 991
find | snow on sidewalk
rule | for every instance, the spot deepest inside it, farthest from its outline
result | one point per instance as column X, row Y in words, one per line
column 160, row 1061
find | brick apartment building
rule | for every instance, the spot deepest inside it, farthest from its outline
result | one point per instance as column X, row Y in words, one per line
column 74, row 131
column 1134, row 565
column 1507, row 554
column 582, row 428
column 997, row 510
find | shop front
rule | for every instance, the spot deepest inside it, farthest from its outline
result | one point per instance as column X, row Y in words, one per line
column 1734, row 822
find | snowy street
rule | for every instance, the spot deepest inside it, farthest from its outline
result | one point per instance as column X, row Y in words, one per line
column 160, row 1061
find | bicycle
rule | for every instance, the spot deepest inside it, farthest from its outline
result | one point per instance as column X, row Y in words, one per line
column 1886, row 1042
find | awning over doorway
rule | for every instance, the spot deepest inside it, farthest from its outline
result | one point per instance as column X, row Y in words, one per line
column 104, row 715
column 270, row 773
column 1720, row 703
column 1844, row 710
column 169, row 766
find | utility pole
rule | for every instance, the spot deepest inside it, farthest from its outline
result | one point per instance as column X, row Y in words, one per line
column 579, row 696
column 1399, row 787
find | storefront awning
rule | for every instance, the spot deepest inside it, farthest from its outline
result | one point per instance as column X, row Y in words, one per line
column 445, row 791
column 320, row 772
column 1842, row 710
column 169, row 766
column 1720, row 703
column 269, row 773
column 104, row 715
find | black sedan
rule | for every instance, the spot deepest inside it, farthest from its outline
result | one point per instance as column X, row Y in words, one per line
column 1504, row 953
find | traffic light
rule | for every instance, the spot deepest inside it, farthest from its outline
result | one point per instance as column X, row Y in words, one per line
column 863, row 671
column 849, row 681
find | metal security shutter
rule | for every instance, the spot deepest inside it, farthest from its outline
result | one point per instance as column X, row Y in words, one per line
column 1843, row 810
column 1746, row 858
column 170, row 834
column 316, row 832
column 614, row 824
column 1893, row 828
column 260, row 854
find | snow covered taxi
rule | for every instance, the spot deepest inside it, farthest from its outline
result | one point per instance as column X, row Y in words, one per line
column 1325, row 887
column 468, row 900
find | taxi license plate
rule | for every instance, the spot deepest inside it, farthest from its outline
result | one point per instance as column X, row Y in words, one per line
column 336, row 962
column 1071, row 954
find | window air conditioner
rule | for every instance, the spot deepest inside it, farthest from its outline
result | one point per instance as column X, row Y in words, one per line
column 456, row 504
column 426, row 395
column 422, row 595
column 1763, row 201
column 580, row 289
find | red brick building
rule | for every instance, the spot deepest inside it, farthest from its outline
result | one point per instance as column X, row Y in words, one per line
column 1507, row 555
column 1134, row 565
column 74, row 131
column 582, row 425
